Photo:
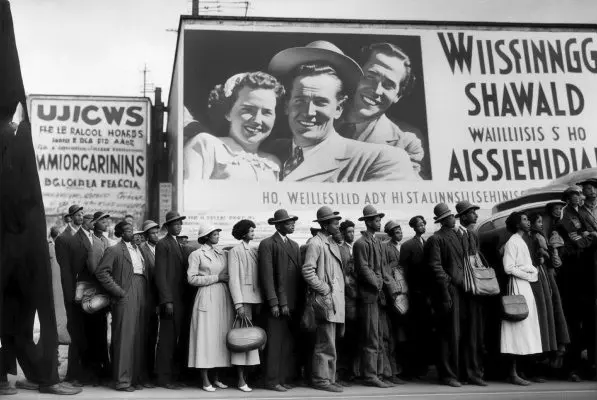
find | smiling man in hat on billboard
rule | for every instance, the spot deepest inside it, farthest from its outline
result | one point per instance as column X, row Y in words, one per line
column 171, row 282
column 320, row 78
column 322, row 270
column 279, row 261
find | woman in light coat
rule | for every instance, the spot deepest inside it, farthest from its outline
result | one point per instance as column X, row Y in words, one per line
column 245, row 290
column 523, row 337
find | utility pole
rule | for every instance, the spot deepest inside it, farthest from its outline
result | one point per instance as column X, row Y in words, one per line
column 147, row 86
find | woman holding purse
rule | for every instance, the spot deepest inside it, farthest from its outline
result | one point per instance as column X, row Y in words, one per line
column 245, row 290
column 520, row 338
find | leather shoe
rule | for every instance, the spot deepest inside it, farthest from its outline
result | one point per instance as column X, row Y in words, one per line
column 75, row 383
column 277, row 388
column 375, row 382
column 148, row 385
column 451, row 382
column 288, row 386
column 574, row 377
column 329, row 388
column 138, row 386
column 477, row 381
column 6, row 389
column 170, row 386
column 395, row 380
column 60, row 389
column 126, row 389
column 26, row 385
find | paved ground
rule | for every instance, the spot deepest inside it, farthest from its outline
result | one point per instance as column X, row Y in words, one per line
column 497, row 391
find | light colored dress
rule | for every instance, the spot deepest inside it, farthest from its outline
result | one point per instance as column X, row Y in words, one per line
column 212, row 311
column 245, row 290
column 208, row 157
column 523, row 337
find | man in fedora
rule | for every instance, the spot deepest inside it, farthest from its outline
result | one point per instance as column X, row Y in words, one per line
column 320, row 77
column 474, row 335
column 322, row 270
column 388, row 78
column 279, row 261
column 446, row 251
column 150, row 230
column 370, row 261
column 171, row 282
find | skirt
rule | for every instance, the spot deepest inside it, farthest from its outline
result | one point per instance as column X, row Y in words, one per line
column 522, row 337
column 250, row 357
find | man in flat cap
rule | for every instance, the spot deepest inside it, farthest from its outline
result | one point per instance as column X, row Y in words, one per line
column 171, row 282
column 150, row 230
column 371, row 263
column 319, row 77
column 322, row 270
column 387, row 78
column 279, row 261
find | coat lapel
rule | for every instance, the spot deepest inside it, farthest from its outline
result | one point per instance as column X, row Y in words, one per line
column 175, row 247
column 334, row 249
column 323, row 163
column 287, row 247
column 83, row 239
column 125, row 252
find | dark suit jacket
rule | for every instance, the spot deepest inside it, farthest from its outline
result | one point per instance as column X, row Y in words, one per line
column 115, row 271
column 80, row 249
column 72, row 254
column 170, row 270
column 62, row 257
column 412, row 258
column 280, row 271
column 152, row 292
column 445, row 252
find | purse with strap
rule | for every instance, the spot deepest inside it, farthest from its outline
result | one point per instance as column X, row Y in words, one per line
column 515, row 307
column 479, row 278
column 246, row 337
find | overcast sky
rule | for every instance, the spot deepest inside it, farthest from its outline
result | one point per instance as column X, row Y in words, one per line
column 99, row 47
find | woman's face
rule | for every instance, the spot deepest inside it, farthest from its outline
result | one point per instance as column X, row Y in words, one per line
column 252, row 115
column 556, row 211
column 250, row 235
column 538, row 224
column 524, row 224
column 214, row 237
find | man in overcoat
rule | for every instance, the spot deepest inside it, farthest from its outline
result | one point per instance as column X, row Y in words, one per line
column 446, row 251
column 279, row 261
column 322, row 270
column 370, row 261
column 170, row 278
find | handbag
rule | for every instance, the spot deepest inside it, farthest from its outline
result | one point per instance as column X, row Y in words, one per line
column 479, row 278
column 401, row 303
column 317, row 308
column 515, row 307
column 91, row 297
column 246, row 337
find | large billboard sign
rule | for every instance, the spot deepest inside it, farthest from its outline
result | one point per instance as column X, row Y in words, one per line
column 92, row 151
column 438, row 114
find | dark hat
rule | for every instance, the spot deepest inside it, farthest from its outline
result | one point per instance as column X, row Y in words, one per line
column 370, row 212
column 147, row 225
column 88, row 217
column 172, row 216
column 441, row 212
column 569, row 191
column 413, row 221
column 72, row 210
column 319, row 51
column 325, row 213
column 391, row 225
column 186, row 237
column 99, row 215
column 549, row 205
column 281, row 215
column 590, row 181
column 462, row 207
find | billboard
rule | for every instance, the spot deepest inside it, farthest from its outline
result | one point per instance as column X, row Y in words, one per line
column 91, row 151
column 439, row 114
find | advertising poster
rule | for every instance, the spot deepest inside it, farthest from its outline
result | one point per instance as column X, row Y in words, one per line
column 91, row 151
column 438, row 114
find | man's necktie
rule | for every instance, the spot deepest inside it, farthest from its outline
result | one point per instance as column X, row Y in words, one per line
column 293, row 162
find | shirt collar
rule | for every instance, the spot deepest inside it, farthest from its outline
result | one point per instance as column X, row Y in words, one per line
column 309, row 150
column 245, row 245
column 282, row 237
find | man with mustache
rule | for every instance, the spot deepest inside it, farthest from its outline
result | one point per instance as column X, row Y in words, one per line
column 319, row 77
column 387, row 78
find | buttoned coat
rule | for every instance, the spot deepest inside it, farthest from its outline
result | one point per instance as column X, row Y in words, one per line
column 170, row 270
column 574, row 225
column 412, row 258
column 244, row 275
column 73, row 260
column 115, row 271
column 338, row 159
column 280, row 271
column 152, row 292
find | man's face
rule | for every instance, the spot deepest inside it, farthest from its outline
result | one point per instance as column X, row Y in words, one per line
column 78, row 218
column 152, row 235
column 127, row 233
column 175, row 227
column 396, row 234
column 449, row 222
column 287, row 227
column 469, row 218
column 312, row 108
column 87, row 224
column 349, row 235
column 589, row 191
column 379, row 88
column 338, row 238
column 101, row 225
column 332, row 227
column 374, row 224
column 420, row 226
column 138, row 239
column 574, row 199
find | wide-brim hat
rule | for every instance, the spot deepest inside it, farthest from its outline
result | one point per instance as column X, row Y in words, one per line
column 554, row 203
column 72, row 210
column 590, row 181
column 441, row 211
column 138, row 233
column 370, row 212
column 205, row 230
column 147, row 225
column 280, row 216
column 88, row 217
column 325, row 213
column 99, row 215
column 462, row 207
column 172, row 216
column 320, row 51
column 569, row 191
column 391, row 225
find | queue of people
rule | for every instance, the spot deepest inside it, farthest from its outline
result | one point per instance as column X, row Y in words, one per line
column 337, row 311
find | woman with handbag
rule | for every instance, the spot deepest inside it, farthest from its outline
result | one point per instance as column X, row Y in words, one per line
column 245, row 290
column 212, row 311
column 520, row 336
